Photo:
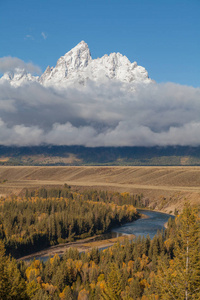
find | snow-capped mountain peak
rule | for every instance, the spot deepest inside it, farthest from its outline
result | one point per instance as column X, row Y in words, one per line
column 68, row 65
column 77, row 66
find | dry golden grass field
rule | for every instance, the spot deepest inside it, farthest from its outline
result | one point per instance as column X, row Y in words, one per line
column 165, row 187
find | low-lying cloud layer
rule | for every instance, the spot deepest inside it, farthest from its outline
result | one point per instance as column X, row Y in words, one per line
column 100, row 115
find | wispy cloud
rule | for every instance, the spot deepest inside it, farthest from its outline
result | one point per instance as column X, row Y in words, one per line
column 44, row 35
column 29, row 37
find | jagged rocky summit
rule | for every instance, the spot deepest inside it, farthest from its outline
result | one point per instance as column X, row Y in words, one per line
column 77, row 67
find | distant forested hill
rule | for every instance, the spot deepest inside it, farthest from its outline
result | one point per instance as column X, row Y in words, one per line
column 80, row 155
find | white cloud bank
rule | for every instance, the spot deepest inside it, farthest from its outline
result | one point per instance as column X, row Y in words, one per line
column 9, row 63
column 100, row 115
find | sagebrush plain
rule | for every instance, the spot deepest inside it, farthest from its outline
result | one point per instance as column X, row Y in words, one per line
column 166, row 188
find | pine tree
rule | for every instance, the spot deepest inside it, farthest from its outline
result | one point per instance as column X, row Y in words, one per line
column 3, row 273
column 12, row 286
column 181, row 279
column 113, row 287
column 135, row 289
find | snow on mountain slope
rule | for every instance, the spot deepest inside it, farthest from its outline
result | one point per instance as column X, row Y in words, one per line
column 68, row 66
column 19, row 77
column 76, row 67
column 116, row 66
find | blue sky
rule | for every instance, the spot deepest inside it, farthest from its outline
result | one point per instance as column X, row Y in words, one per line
column 161, row 35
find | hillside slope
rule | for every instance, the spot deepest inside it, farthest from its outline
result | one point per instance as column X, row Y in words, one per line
column 118, row 156
column 165, row 188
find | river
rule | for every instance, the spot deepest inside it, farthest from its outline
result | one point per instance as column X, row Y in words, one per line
column 153, row 222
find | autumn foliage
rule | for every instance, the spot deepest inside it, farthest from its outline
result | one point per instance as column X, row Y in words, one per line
column 166, row 267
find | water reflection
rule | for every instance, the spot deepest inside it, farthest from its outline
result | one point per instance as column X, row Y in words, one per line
column 109, row 235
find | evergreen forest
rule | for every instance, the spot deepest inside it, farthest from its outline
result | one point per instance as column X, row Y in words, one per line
column 43, row 217
column 166, row 267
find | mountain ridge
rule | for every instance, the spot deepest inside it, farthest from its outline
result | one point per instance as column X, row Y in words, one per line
column 104, row 156
column 76, row 67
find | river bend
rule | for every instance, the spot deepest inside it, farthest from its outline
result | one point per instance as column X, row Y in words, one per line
column 155, row 221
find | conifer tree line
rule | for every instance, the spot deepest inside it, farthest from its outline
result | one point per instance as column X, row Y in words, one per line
column 136, row 200
column 166, row 267
column 47, row 217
